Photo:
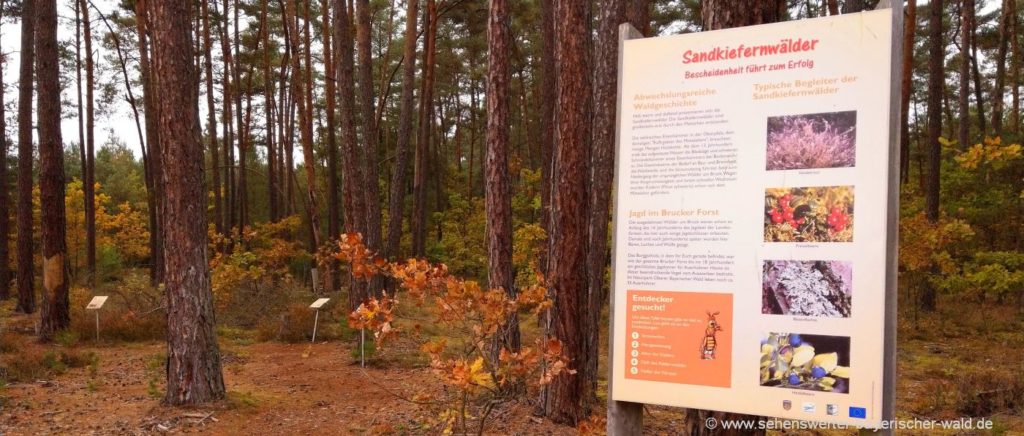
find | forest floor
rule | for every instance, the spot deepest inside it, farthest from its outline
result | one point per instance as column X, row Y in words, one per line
column 273, row 388
column 946, row 371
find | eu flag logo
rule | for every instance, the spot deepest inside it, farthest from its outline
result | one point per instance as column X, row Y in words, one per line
column 858, row 412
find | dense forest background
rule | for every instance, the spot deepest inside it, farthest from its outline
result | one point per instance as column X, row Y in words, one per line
column 475, row 137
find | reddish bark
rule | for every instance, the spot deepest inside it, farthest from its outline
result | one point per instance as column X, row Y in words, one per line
column 211, row 121
column 26, row 268
column 355, row 216
column 193, row 357
column 547, row 118
column 396, row 198
column 88, row 162
column 54, row 305
column 418, row 224
column 498, row 192
column 568, row 394
column 909, row 26
column 5, row 197
column 602, row 160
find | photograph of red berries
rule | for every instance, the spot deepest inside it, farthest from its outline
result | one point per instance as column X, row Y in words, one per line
column 810, row 214
column 824, row 140
column 806, row 362
column 820, row 288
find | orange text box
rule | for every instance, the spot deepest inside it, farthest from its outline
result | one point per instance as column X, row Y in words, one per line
column 679, row 337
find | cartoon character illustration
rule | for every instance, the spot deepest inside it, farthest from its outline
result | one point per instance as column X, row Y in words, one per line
column 709, row 344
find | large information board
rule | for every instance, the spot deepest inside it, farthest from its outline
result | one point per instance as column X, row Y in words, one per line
column 752, row 219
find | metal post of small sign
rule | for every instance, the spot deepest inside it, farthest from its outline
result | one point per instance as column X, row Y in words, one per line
column 362, row 348
column 317, row 305
column 95, row 304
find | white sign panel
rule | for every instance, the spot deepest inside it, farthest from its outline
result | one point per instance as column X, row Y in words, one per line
column 319, row 303
column 96, row 302
column 750, row 243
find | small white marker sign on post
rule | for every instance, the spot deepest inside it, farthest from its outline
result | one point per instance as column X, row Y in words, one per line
column 317, row 305
column 95, row 304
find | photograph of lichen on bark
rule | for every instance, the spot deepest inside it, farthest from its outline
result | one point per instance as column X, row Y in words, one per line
column 807, row 288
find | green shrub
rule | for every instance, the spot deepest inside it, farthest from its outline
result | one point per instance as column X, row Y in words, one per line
column 66, row 338
column 155, row 372
column 109, row 261
column 988, row 276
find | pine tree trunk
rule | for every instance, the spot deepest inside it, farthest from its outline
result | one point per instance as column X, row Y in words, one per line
column 244, row 145
column 498, row 191
column 142, row 10
column 227, row 119
column 268, row 107
column 245, row 131
column 237, row 197
column 305, row 127
column 998, row 93
column 79, row 107
column 909, row 27
column 5, row 195
column 364, row 76
column 724, row 14
column 211, row 119
column 547, row 119
column 966, row 24
column 55, row 309
column 472, row 140
column 438, row 168
column 285, row 122
column 602, row 160
column 418, row 225
column 638, row 13
column 26, row 269
column 977, row 82
column 355, row 217
column 851, row 6
column 1015, row 67
column 289, row 152
column 396, row 197
column 384, row 84
column 89, row 175
column 568, row 395
column 936, row 83
column 333, row 211
column 193, row 357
